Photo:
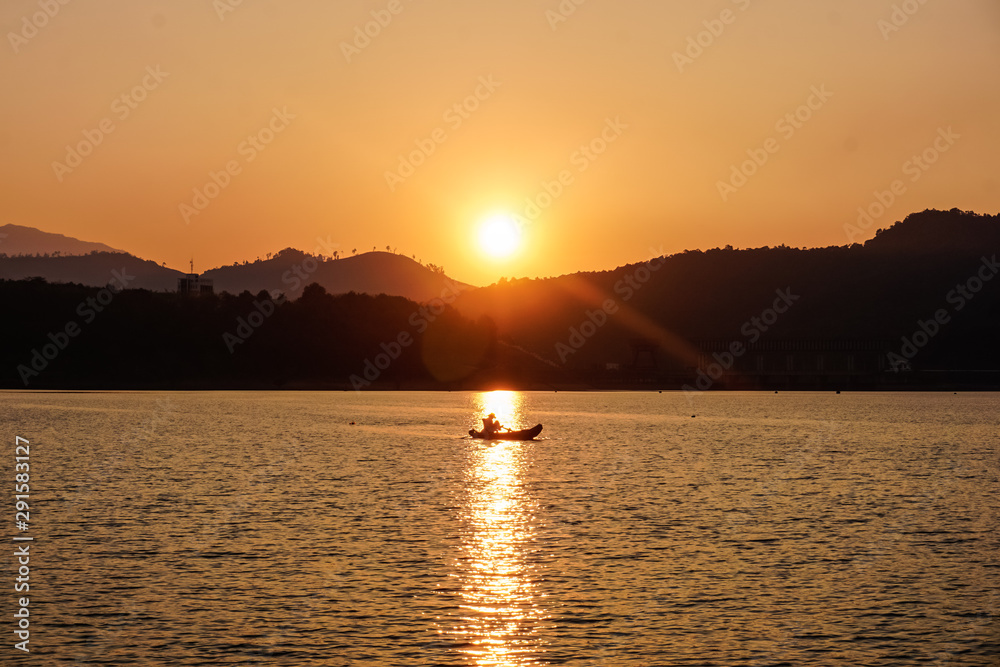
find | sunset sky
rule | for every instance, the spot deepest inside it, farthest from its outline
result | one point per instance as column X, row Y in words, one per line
column 663, row 120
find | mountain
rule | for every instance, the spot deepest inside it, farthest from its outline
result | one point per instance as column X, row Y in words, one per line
column 19, row 240
column 931, row 278
column 29, row 253
column 933, row 232
column 916, row 307
column 291, row 270
column 96, row 269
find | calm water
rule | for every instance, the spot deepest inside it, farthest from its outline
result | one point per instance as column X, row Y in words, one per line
column 264, row 528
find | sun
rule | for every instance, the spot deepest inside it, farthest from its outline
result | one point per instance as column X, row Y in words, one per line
column 500, row 235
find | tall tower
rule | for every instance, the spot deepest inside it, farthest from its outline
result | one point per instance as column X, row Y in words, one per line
column 194, row 285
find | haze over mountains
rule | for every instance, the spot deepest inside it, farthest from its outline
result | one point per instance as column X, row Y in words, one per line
column 292, row 270
column 674, row 313
column 917, row 306
column 21, row 240
column 27, row 253
column 674, row 308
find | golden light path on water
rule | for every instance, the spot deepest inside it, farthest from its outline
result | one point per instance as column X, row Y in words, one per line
column 500, row 610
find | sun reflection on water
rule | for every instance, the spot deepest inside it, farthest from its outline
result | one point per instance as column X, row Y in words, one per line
column 499, row 608
column 508, row 406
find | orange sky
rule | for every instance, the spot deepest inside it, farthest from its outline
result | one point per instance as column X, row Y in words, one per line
column 533, row 87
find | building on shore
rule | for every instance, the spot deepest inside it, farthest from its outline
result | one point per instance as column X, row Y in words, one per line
column 191, row 284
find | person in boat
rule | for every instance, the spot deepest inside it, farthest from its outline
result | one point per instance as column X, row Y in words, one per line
column 491, row 425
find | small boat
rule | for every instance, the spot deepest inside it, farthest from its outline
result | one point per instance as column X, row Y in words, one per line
column 526, row 434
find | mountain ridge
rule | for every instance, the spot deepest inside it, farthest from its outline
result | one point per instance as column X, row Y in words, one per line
column 290, row 270
column 917, row 307
column 23, row 240
column 287, row 272
column 878, row 291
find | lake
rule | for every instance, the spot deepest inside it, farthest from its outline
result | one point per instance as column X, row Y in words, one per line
column 640, row 529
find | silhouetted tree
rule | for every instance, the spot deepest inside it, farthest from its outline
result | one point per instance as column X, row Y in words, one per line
column 317, row 337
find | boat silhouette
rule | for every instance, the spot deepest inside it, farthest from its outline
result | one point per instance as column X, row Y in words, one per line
column 526, row 434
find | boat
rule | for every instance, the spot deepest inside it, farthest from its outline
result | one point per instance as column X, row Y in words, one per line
column 526, row 434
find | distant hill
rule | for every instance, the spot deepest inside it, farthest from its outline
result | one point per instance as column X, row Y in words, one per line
column 939, row 231
column 30, row 253
column 917, row 307
column 878, row 292
column 95, row 269
column 19, row 240
column 370, row 273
